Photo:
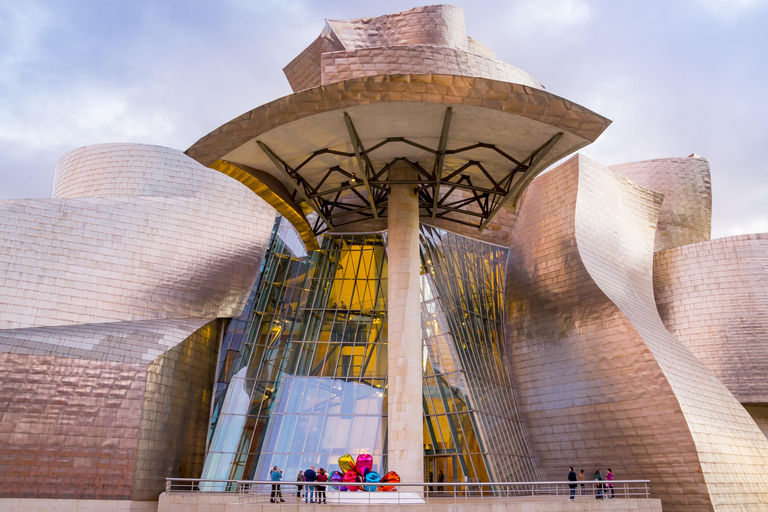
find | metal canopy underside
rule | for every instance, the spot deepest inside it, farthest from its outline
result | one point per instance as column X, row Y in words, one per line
column 468, row 161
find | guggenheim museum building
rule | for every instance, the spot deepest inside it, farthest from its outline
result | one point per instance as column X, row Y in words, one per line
column 376, row 264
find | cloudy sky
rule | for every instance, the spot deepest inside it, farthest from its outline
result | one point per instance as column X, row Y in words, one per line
column 676, row 77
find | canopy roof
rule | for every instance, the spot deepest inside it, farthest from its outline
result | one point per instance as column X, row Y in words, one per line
column 473, row 144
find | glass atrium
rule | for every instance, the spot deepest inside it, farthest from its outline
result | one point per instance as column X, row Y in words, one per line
column 302, row 376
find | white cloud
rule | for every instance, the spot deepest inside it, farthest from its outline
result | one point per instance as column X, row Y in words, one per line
column 729, row 10
column 554, row 15
column 730, row 5
column 22, row 25
column 675, row 77
column 755, row 225
column 85, row 112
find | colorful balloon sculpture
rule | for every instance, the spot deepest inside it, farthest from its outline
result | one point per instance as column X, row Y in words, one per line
column 338, row 477
column 390, row 477
column 351, row 476
column 347, row 463
column 364, row 464
column 361, row 471
column 372, row 477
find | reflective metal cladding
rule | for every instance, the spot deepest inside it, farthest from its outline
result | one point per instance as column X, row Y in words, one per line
column 158, row 318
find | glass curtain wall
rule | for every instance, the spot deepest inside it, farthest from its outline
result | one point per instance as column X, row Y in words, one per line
column 304, row 380
column 472, row 429
column 302, row 372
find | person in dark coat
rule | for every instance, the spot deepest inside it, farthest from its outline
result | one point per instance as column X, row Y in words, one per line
column 299, row 478
column 572, row 478
column 599, row 487
column 322, row 477
column 309, row 477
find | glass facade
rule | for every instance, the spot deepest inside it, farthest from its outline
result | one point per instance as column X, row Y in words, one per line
column 303, row 380
column 472, row 429
column 302, row 373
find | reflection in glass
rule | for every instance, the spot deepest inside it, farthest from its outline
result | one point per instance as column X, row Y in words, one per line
column 472, row 427
column 308, row 381
column 302, row 372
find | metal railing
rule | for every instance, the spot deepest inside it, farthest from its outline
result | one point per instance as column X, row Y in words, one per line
column 264, row 491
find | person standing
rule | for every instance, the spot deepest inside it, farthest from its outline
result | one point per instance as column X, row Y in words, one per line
column 582, row 491
column 276, row 475
column 309, row 492
column 299, row 478
column 598, row 487
column 440, row 479
column 609, row 485
column 572, row 478
column 320, row 492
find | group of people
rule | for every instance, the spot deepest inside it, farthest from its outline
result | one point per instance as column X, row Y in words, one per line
column 601, row 490
column 313, row 491
column 314, row 486
column 440, row 479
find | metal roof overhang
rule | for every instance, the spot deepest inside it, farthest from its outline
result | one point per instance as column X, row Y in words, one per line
column 473, row 149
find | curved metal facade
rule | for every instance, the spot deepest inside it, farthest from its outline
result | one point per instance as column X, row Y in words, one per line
column 184, row 241
column 685, row 216
column 601, row 381
column 108, row 319
column 422, row 40
column 605, row 330
column 713, row 297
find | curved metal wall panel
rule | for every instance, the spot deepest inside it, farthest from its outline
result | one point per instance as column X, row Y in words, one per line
column 418, row 59
column 121, row 342
column 128, row 258
column 425, row 40
column 686, row 212
column 175, row 412
column 61, row 434
column 441, row 25
column 759, row 413
column 602, row 383
column 713, row 297
column 74, row 428
column 130, row 170
column 619, row 257
column 438, row 24
column 108, row 330
column 109, row 260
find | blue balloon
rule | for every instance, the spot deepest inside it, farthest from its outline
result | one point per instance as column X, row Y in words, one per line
column 372, row 477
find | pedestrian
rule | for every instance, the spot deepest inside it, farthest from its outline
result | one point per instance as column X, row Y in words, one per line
column 609, row 485
column 582, row 491
column 309, row 491
column 276, row 475
column 299, row 478
column 572, row 478
column 598, row 487
column 440, row 479
column 321, row 477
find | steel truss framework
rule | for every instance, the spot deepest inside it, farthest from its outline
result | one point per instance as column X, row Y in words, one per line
column 435, row 187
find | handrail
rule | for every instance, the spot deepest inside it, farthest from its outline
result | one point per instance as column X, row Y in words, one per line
column 410, row 492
